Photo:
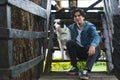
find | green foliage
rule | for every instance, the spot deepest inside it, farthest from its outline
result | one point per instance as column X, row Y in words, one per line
column 60, row 66
column 81, row 65
column 99, row 66
column 65, row 66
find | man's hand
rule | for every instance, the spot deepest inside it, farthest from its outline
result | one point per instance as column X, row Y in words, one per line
column 91, row 50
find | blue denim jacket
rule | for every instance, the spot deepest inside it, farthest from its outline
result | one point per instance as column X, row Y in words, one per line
column 89, row 35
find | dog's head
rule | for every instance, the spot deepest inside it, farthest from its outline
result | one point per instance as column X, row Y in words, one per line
column 58, row 23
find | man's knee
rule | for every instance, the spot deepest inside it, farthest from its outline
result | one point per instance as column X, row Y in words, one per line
column 69, row 43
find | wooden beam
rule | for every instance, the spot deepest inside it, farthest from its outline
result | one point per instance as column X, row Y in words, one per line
column 91, row 6
column 67, row 15
column 114, row 6
column 107, row 43
column 6, row 58
column 5, row 74
column 28, row 6
column 84, row 8
column 14, row 33
column 50, row 46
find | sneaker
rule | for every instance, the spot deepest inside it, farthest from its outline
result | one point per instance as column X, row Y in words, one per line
column 74, row 70
column 84, row 75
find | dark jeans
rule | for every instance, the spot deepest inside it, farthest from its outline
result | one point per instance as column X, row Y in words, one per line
column 75, row 51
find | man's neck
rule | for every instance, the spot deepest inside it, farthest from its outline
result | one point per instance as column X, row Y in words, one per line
column 80, row 26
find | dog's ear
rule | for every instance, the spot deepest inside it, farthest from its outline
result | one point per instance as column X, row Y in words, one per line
column 62, row 23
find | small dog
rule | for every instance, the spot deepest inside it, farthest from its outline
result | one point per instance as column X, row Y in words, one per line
column 63, row 35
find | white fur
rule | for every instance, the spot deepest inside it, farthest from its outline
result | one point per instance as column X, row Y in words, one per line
column 63, row 35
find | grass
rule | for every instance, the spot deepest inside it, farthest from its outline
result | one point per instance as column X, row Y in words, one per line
column 65, row 66
column 99, row 66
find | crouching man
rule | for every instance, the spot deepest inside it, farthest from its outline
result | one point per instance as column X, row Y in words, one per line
column 84, row 43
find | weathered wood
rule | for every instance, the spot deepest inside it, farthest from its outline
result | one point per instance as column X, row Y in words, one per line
column 107, row 44
column 8, row 35
column 67, row 15
column 50, row 46
column 116, row 45
column 5, row 55
column 84, row 8
column 14, row 33
column 93, row 5
column 66, row 76
column 15, row 70
column 27, row 6
column 114, row 7
column 77, row 60
column 109, row 26
column 5, row 16
column 6, row 59
column 3, row 2
column 4, row 33
column 5, row 74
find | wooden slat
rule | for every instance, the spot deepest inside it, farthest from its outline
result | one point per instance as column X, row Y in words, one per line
column 50, row 46
column 67, row 76
column 4, row 74
column 67, row 15
column 77, row 60
column 14, row 33
column 91, row 6
column 15, row 70
column 84, row 8
column 4, row 33
column 27, row 6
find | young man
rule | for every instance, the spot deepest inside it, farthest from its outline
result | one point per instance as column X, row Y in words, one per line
column 84, row 43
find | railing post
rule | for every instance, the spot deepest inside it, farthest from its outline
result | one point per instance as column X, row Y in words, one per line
column 6, row 58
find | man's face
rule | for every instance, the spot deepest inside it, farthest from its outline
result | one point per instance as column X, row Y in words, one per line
column 78, row 18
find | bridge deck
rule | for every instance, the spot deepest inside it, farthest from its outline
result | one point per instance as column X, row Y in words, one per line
column 65, row 76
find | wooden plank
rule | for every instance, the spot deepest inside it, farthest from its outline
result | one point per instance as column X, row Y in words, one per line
column 4, row 33
column 107, row 44
column 114, row 6
column 67, row 76
column 4, row 74
column 5, row 16
column 27, row 6
column 84, row 8
column 15, row 70
column 116, row 45
column 14, row 33
column 6, row 58
column 89, row 15
column 91, row 6
column 3, row 2
column 5, row 53
column 77, row 60
column 50, row 46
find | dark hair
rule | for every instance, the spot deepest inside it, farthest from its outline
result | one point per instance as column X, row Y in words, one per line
column 81, row 11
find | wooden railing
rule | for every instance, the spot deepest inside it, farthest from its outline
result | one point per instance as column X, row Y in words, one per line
column 8, row 71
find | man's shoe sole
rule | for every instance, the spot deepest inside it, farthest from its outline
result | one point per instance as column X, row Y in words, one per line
column 72, row 73
column 84, row 78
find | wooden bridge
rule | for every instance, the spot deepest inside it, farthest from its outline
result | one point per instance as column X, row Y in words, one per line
column 26, row 32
